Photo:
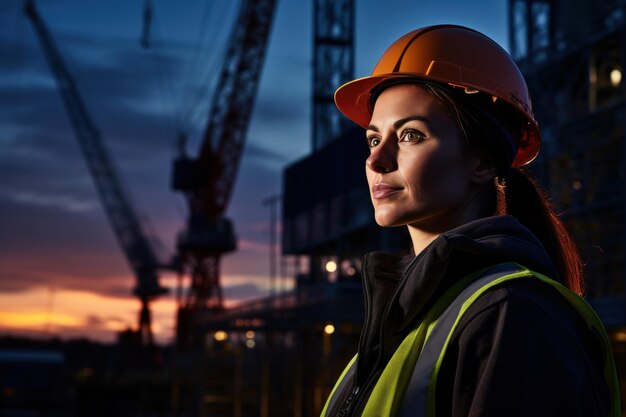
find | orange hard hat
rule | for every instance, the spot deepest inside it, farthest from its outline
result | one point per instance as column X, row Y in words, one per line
column 452, row 55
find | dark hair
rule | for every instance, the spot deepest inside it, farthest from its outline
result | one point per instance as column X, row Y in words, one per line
column 483, row 122
column 523, row 198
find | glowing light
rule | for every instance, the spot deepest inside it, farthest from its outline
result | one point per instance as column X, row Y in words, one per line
column 329, row 329
column 620, row 335
column 351, row 271
column 250, row 343
column 250, row 334
column 331, row 266
column 616, row 77
column 220, row 335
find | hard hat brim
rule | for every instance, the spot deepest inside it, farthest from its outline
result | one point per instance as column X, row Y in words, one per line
column 353, row 99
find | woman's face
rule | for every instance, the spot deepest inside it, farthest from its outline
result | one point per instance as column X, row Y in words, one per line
column 420, row 169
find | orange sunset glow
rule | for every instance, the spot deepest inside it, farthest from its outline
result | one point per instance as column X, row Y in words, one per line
column 47, row 312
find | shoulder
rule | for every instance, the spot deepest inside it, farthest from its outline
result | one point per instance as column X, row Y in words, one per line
column 522, row 343
column 524, row 313
column 529, row 297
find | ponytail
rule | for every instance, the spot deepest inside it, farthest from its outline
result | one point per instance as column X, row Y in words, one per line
column 522, row 197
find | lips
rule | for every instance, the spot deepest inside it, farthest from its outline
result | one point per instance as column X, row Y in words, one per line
column 382, row 190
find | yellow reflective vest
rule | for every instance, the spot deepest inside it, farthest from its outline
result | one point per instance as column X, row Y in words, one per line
column 407, row 384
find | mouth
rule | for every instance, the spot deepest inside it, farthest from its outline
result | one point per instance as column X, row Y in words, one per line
column 382, row 190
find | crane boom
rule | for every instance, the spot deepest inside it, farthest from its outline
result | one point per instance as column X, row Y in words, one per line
column 121, row 215
column 233, row 101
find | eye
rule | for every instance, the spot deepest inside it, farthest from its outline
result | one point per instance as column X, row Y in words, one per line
column 373, row 142
column 411, row 135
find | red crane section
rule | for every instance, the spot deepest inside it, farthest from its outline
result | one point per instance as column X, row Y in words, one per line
column 208, row 180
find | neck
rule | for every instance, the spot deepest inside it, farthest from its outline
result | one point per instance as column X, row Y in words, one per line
column 421, row 238
column 425, row 231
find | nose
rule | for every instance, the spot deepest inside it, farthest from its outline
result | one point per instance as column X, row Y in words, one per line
column 383, row 157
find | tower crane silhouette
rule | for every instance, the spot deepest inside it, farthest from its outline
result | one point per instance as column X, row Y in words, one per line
column 206, row 180
column 122, row 217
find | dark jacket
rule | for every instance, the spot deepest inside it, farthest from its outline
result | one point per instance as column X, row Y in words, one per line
column 520, row 350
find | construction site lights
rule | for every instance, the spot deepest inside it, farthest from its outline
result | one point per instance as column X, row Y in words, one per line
column 220, row 335
column 620, row 335
column 350, row 271
column 616, row 77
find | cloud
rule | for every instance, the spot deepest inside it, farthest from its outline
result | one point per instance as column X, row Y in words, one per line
column 94, row 321
column 53, row 246
column 66, row 202
column 242, row 292
column 14, row 282
column 267, row 155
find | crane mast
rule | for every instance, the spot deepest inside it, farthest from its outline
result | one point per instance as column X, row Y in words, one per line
column 122, row 217
column 208, row 180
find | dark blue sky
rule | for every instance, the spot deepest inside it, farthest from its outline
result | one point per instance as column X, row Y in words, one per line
column 53, row 231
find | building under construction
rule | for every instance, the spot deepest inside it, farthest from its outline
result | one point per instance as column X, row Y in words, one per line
column 572, row 55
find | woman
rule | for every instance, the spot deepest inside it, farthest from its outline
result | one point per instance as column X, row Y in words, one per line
column 485, row 318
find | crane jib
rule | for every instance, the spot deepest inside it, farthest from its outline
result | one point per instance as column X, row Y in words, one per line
column 124, row 221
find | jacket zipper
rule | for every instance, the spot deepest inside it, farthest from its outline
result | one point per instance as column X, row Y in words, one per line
column 347, row 405
column 358, row 395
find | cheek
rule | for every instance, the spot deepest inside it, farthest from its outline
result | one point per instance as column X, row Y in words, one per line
column 442, row 172
column 420, row 170
column 455, row 178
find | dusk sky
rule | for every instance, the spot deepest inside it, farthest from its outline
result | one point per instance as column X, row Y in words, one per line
column 62, row 272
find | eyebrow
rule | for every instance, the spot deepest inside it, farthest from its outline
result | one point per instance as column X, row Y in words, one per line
column 402, row 121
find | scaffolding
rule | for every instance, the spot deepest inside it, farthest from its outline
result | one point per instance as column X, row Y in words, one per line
column 573, row 67
column 333, row 65
column 280, row 356
column 572, row 55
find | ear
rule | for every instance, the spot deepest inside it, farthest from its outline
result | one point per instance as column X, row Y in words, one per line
column 482, row 168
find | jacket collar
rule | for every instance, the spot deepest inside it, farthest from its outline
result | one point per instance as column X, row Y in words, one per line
column 399, row 290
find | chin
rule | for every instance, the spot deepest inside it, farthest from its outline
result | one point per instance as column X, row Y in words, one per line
column 388, row 221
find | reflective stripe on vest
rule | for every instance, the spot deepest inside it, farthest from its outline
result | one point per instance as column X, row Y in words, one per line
column 405, row 372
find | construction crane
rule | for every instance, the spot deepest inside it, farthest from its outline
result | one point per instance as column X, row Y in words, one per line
column 207, row 182
column 208, row 179
column 126, row 225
